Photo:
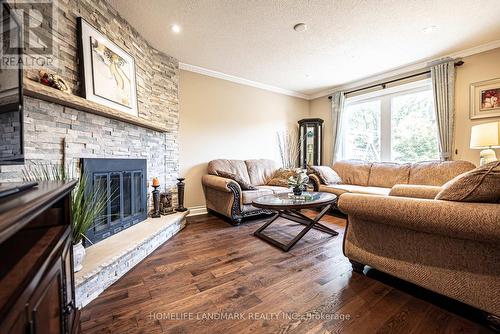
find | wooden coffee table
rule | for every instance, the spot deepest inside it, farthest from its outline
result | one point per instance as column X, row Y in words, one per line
column 289, row 208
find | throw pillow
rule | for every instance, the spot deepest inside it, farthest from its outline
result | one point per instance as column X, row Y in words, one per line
column 280, row 177
column 326, row 174
column 479, row 185
column 236, row 178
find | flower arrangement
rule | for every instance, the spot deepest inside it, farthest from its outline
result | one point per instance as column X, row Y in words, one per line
column 299, row 181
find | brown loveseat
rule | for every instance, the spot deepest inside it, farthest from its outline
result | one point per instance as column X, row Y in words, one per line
column 452, row 248
column 378, row 178
column 224, row 196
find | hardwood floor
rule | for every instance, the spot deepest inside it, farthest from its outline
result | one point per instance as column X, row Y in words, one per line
column 216, row 278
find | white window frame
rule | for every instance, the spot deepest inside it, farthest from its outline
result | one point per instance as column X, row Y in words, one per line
column 385, row 96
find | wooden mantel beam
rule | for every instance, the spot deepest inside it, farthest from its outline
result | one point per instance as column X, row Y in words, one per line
column 42, row 92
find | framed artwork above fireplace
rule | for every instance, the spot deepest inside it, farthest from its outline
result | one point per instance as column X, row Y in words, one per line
column 107, row 71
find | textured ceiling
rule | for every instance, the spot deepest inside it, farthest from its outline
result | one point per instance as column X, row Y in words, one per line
column 346, row 40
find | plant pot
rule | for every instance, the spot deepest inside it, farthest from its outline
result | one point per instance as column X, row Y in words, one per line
column 297, row 191
column 78, row 256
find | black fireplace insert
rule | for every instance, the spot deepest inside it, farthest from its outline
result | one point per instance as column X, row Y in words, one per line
column 124, row 182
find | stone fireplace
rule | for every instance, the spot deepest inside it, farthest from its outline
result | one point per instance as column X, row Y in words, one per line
column 63, row 129
column 123, row 183
column 63, row 133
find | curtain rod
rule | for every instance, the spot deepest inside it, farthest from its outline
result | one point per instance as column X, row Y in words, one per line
column 383, row 84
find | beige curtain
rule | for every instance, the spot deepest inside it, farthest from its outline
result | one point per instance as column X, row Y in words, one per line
column 443, row 86
column 338, row 99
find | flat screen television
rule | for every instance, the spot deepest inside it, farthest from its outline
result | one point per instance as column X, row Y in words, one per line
column 11, row 90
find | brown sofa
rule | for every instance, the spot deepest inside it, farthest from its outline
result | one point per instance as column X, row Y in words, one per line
column 378, row 178
column 224, row 196
column 452, row 248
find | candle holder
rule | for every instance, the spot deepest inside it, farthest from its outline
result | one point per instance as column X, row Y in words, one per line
column 156, row 203
column 180, row 195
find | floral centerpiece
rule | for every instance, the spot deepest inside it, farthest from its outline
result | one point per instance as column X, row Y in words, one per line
column 299, row 181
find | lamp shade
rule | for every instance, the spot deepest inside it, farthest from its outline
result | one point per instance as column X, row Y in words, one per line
column 485, row 135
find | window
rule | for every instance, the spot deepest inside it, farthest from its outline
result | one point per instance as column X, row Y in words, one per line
column 395, row 124
column 362, row 130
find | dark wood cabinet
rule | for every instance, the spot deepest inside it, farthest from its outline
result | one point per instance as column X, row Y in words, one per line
column 311, row 146
column 45, row 307
column 36, row 278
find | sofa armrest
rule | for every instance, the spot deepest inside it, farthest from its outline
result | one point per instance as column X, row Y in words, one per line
column 219, row 183
column 414, row 191
column 473, row 221
column 315, row 181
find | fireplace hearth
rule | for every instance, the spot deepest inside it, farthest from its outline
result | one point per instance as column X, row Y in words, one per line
column 124, row 182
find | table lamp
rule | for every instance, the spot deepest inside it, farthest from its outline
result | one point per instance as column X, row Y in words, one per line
column 485, row 136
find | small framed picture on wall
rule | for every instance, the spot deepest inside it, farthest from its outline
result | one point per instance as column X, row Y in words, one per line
column 485, row 99
column 107, row 71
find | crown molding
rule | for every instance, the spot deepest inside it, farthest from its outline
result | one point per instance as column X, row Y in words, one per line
column 406, row 69
column 476, row 49
column 242, row 81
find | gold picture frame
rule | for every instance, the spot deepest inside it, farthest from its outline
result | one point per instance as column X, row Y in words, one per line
column 485, row 99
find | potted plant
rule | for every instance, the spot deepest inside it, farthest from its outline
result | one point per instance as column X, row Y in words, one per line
column 299, row 181
column 85, row 206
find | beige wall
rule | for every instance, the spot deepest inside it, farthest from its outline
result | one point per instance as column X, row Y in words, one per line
column 479, row 67
column 222, row 119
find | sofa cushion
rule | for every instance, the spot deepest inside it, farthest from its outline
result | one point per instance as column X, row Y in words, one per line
column 275, row 189
column 415, row 191
column 339, row 189
column 353, row 171
column 249, row 195
column 244, row 185
column 479, row 185
column 387, row 174
column 437, row 173
column 326, row 174
column 237, row 167
column 280, row 177
column 260, row 170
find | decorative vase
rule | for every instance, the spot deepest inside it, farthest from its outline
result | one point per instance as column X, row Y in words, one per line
column 78, row 256
column 180, row 195
column 297, row 190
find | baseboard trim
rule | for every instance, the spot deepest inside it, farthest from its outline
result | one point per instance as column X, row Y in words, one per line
column 197, row 210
